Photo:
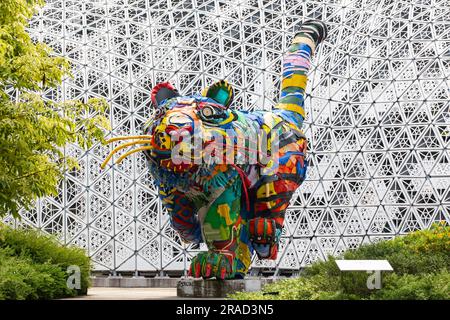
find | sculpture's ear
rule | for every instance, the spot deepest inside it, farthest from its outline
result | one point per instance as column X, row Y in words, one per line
column 163, row 91
column 221, row 92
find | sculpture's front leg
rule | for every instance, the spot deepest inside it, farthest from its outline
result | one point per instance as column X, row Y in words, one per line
column 271, row 201
column 183, row 217
column 228, row 253
column 211, row 263
column 264, row 235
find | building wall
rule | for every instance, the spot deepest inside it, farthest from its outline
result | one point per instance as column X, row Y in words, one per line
column 378, row 117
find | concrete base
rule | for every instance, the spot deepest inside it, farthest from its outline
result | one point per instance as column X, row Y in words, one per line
column 199, row 288
column 134, row 282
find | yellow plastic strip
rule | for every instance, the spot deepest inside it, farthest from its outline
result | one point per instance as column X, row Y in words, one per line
column 291, row 107
column 131, row 152
column 115, row 150
column 128, row 138
column 295, row 80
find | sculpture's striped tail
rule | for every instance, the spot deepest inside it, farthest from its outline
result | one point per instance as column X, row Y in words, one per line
column 296, row 66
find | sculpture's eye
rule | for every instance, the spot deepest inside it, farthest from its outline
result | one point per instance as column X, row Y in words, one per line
column 209, row 112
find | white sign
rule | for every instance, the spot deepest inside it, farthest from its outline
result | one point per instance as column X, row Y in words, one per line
column 364, row 265
column 373, row 267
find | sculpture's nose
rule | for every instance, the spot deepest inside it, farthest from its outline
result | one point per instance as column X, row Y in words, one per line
column 180, row 120
column 179, row 125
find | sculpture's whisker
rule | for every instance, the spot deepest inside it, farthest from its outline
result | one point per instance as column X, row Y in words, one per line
column 115, row 150
column 144, row 136
column 131, row 152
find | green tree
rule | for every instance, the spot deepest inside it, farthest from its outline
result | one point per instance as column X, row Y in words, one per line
column 33, row 130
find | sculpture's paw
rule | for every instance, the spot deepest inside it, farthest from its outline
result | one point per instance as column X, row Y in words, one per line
column 263, row 236
column 212, row 264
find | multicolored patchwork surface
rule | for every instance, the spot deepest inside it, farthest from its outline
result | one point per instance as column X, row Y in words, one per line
column 227, row 176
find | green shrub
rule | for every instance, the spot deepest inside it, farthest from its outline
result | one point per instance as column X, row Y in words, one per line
column 434, row 286
column 419, row 252
column 34, row 266
column 421, row 263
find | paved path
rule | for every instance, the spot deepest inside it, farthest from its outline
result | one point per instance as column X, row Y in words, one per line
column 128, row 294
column 101, row 293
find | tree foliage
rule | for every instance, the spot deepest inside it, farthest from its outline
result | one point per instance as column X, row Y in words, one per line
column 34, row 130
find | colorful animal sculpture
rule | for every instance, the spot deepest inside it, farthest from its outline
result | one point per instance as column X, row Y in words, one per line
column 213, row 192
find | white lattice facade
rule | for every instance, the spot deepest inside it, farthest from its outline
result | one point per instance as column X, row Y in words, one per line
column 378, row 117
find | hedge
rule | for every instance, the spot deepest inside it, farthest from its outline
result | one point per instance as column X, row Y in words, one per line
column 34, row 266
column 421, row 263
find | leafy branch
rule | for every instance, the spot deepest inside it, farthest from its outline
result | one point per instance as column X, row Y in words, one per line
column 35, row 131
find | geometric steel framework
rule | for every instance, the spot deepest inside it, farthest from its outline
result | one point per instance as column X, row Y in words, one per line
column 378, row 117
